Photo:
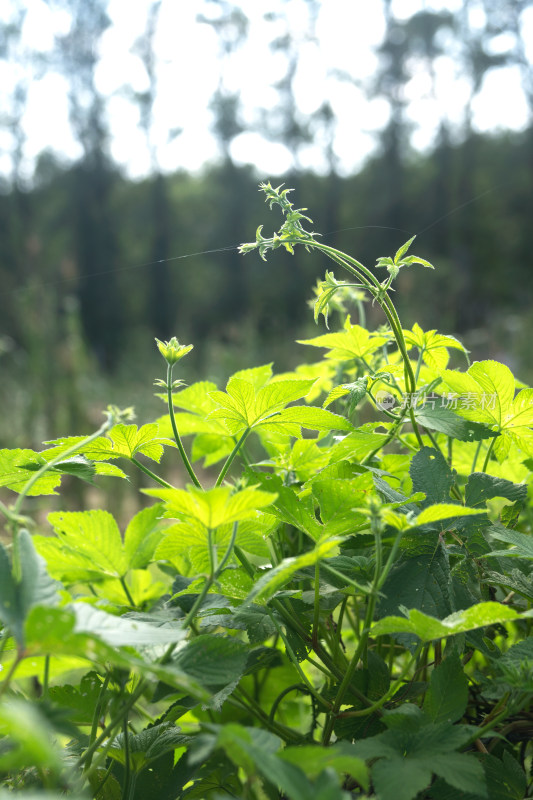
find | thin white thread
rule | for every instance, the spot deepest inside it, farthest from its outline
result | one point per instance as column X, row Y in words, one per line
column 91, row 275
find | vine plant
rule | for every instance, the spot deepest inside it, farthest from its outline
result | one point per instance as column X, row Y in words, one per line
column 329, row 608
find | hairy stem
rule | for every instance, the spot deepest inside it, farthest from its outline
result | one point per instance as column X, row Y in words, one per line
column 177, row 437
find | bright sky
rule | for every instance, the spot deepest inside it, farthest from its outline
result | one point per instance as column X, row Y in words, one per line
column 189, row 70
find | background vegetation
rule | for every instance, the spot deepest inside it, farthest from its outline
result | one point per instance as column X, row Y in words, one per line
column 94, row 264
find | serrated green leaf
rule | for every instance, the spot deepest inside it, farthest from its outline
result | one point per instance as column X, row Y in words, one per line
column 146, row 746
column 214, row 507
column 354, row 342
column 195, row 398
column 288, row 506
column 124, row 631
column 431, row 474
column 429, row 628
column 461, row 771
column 339, row 756
column 79, row 700
column 339, row 501
column 441, row 511
column 419, row 580
column 403, row 249
column 244, row 406
column 357, row 444
column 315, row 419
column 305, row 459
column 212, row 447
column 485, row 394
column 514, row 580
column 444, row 420
column 142, row 535
column 95, row 536
column 522, row 544
column 57, row 631
column 269, row 583
column 18, row 466
column 408, row 260
column 400, row 779
column 212, row 659
column 481, row 487
column 258, row 622
column 235, row 583
column 447, row 696
column 128, row 440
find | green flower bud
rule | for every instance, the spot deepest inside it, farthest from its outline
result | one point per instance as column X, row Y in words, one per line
column 172, row 351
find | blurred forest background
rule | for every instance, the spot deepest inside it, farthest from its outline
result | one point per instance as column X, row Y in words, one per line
column 81, row 298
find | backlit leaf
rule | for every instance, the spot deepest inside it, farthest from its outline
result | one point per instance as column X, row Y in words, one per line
column 428, row 628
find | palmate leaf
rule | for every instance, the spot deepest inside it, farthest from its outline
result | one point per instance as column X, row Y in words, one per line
column 522, row 544
column 354, row 342
column 191, row 539
column 305, row 458
column 429, row 628
column 433, row 346
column 146, row 746
column 92, row 534
column 414, row 749
column 18, row 466
column 485, row 393
column 481, row 487
column 125, row 441
column 89, row 545
column 244, row 406
column 128, row 440
column 338, row 756
column 215, row 507
column 288, row 506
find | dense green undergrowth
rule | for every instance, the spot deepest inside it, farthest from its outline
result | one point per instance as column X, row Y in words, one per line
column 343, row 610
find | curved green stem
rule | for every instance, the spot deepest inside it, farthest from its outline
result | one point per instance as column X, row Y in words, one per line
column 98, row 711
column 126, row 591
column 232, row 456
column 295, row 687
column 363, row 712
column 12, row 669
column 215, row 572
column 361, row 649
column 113, row 723
column 487, row 457
column 127, row 763
column 316, row 609
column 152, row 475
column 61, row 457
column 311, row 689
column 389, row 309
column 177, row 437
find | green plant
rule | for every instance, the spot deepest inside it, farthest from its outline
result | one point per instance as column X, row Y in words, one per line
column 344, row 612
